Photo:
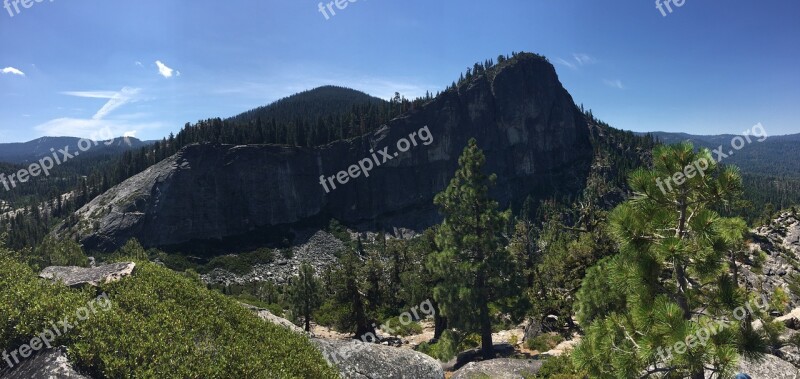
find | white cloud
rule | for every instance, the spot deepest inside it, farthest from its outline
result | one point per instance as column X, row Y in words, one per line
column 93, row 129
column 164, row 70
column 12, row 71
column 91, row 94
column 119, row 99
column 583, row 59
column 614, row 83
column 139, row 64
column 578, row 60
column 566, row 63
column 98, row 127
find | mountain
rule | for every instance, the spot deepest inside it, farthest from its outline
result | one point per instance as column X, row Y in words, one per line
column 774, row 156
column 534, row 137
column 309, row 105
column 31, row 151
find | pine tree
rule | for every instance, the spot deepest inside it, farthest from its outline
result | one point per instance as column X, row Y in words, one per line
column 671, row 277
column 472, row 260
column 306, row 294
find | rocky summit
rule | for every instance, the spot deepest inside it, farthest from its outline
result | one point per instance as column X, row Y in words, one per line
column 535, row 139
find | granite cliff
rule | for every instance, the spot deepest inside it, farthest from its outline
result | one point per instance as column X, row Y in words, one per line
column 535, row 139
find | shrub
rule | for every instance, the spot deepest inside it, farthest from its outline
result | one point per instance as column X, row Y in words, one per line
column 560, row 367
column 403, row 330
column 450, row 344
column 779, row 300
column 544, row 342
column 162, row 324
column 28, row 304
column 58, row 253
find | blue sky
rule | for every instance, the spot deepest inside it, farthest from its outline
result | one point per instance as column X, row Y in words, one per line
column 146, row 67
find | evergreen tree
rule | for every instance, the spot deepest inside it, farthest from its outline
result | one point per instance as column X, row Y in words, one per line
column 671, row 279
column 473, row 262
column 306, row 294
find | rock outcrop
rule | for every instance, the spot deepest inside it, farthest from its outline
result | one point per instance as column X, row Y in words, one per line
column 501, row 368
column 48, row 364
column 779, row 242
column 361, row 360
column 770, row 367
column 269, row 317
column 94, row 276
column 319, row 250
column 535, row 139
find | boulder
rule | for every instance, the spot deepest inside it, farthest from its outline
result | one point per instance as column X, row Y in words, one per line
column 94, row 276
column 48, row 364
column 791, row 319
column 269, row 317
column 361, row 360
column 467, row 356
column 769, row 367
column 501, row 368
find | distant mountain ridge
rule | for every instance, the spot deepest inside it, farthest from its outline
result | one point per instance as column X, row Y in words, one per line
column 31, row 151
column 318, row 102
column 776, row 156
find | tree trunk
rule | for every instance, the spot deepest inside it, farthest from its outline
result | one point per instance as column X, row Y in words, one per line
column 680, row 271
column 487, row 348
column 439, row 322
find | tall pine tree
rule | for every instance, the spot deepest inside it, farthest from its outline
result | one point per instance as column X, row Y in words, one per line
column 473, row 262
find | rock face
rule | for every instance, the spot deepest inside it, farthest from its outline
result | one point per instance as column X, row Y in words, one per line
column 78, row 276
column 534, row 137
column 49, row 364
column 360, row 360
column 771, row 367
column 780, row 242
column 501, row 368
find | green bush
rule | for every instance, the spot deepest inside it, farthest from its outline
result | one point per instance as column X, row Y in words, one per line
column 544, row 342
column 449, row 345
column 403, row 330
column 28, row 304
column 560, row 367
column 160, row 324
column 58, row 253
column 163, row 324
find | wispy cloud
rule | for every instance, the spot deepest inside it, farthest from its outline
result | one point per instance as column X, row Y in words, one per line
column 614, row 83
column 93, row 129
column 584, row 59
column 578, row 60
column 119, row 99
column 165, row 70
column 139, row 64
column 116, row 99
column 12, row 71
column 91, row 94
column 98, row 124
column 567, row 63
